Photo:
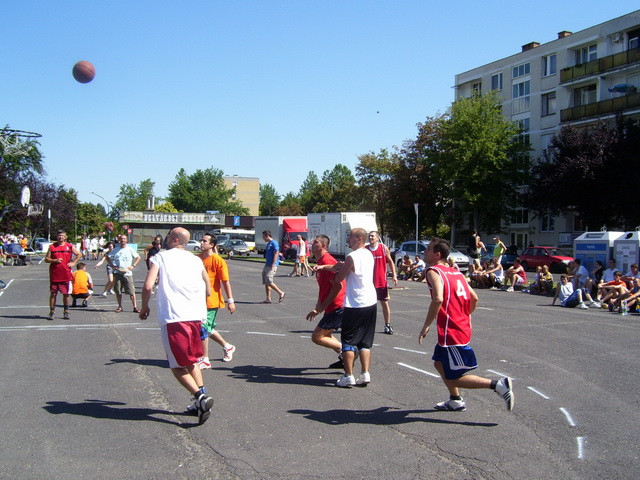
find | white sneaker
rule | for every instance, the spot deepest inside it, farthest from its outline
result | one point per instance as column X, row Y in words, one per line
column 105, row 294
column 582, row 306
column 504, row 388
column 364, row 379
column 346, row 381
column 452, row 405
column 510, row 289
column 204, row 363
column 596, row 304
column 228, row 353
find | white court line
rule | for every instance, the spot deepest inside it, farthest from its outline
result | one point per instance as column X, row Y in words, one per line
column 412, row 351
column 580, row 441
column 57, row 326
column 498, row 373
column 484, row 308
column 90, row 328
column 568, row 415
column 305, row 336
column 266, row 333
column 147, row 328
column 418, row 370
column 538, row 392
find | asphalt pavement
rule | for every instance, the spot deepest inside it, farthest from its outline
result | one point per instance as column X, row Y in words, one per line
column 92, row 397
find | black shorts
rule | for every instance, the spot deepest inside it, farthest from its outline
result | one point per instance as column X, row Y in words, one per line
column 382, row 293
column 331, row 320
column 358, row 327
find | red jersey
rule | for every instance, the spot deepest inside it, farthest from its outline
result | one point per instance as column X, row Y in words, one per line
column 59, row 272
column 379, row 265
column 324, row 278
column 454, row 320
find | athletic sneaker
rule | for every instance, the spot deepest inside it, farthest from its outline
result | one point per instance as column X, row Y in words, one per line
column 338, row 364
column 204, row 405
column 65, row 315
column 364, row 379
column 510, row 289
column 504, row 388
column 388, row 329
column 228, row 353
column 595, row 304
column 51, row 315
column 105, row 294
column 204, row 363
column 346, row 381
column 84, row 303
column 582, row 306
column 452, row 405
column 193, row 407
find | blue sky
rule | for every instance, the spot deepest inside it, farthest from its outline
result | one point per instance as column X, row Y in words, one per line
column 267, row 89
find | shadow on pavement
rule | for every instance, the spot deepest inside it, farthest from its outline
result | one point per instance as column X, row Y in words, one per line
column 110, row 410
column 150, row 362
column 290, row 376
column 379, row 416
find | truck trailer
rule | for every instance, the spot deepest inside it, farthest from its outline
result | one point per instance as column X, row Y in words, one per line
column 284, row 230
column 337, row 225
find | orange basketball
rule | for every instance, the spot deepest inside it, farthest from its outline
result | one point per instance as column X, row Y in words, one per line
column 83, row 71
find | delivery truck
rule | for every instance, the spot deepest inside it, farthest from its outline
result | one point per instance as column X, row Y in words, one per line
column 337, row 225
column 284, row 230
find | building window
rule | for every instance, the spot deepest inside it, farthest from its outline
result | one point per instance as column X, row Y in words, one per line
column 586, row 54
column 496, row 81
column 521, row 215
column 634, row 39
column 584, row 95
column 476, row 88
column 548, row 104
column 521, row 70
column 521, row 97
column 547, row 223
column 549, row 65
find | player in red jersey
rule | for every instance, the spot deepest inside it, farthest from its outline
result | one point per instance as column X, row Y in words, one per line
column 452, row 302
column 382, row 258
column 60, row 264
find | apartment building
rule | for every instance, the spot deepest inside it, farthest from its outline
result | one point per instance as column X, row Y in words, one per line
column 578, row 78
column 247, row 191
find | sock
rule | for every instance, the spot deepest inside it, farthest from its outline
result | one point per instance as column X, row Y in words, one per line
column 455, row 397
column 493, row 384
column 201, row 391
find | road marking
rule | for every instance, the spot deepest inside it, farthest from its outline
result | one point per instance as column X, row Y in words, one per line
column 580, row 441
column 147, row 328
column 418, row 370
column 484, row 308
column 498, row 373
column 538, row 392
column 58, row 326
column 568, row 415
column 411, row 351
column 267, row 333
column 305, row 336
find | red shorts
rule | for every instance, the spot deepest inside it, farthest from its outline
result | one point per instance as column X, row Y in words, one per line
column 62, row 287
column 182, row 343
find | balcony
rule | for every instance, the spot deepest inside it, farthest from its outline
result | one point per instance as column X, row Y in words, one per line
column 600, row 65
column 604, row 107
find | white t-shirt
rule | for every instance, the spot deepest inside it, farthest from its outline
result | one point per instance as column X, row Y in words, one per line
column 360, row 290
column 181, row 295
column 608, row 275
column 584, row 274
column 565, row 292
column 302, row 249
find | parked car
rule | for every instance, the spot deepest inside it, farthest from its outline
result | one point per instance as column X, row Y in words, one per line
column 238, row 247
column 40, row 244
column 507, row 257
column 555, row 258
column 409, row 248
column 193, row 245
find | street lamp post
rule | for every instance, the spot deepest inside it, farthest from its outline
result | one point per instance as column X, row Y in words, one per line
column 108, row 210
column 415, row 206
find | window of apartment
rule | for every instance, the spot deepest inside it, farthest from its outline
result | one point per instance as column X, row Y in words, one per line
column 549, row 65
column 545, row 142
column 548, row 103
column 496, row 81
column 520, row 215
column 521, row 70
column 547, row 223
column 584, row 95
column 476, row 88
column 521, row 97
column 586, row 54
column 634, row 39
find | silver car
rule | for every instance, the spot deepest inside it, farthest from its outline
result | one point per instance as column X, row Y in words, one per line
column 409, row 248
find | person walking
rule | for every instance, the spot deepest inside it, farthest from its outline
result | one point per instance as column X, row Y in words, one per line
column 183, row 286
column 58, row 257
column 452, row 302
column 272, row 256
column 123, row 259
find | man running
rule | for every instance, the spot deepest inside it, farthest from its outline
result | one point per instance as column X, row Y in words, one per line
column 382, row 258
column 330, row 300
column 218, row 274
column 60, row 264
column 183, row 285
column 123, row 259
column 452, row 302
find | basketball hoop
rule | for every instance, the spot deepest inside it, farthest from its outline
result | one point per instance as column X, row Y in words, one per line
column 16, row 142
column 35, row 209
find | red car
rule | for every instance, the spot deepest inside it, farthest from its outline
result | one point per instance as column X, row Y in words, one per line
column 555, row 258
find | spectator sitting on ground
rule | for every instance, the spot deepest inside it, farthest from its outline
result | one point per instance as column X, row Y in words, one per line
column 608, row 292
column 474, row 273
column 580, row 274
column 483, row 274
column 405, row 267
column 452, row 263
column 515, row 275
column 82, row 284
column 594, row 277
column 545, row 282
column 495, row 274
column 631, row 275
column 608, row 274
column 630, row 296
column 15, row 250
column 570, row 298
column 416, row 269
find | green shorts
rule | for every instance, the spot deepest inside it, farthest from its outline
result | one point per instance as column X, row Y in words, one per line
column 210, row 324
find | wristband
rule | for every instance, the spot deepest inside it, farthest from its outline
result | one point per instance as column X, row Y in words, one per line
column 230, row 300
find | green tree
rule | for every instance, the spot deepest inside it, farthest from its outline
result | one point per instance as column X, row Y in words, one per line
column 166, row 207
column 336, row 192
column 132, row 197
column 306, row 191
column 204, row 190
column 90, row 218
column 290, row 205
column 269, row 200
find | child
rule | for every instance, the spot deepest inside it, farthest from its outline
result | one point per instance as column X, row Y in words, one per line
column 82, row 284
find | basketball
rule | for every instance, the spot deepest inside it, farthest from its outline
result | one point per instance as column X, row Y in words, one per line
column 83, row 71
